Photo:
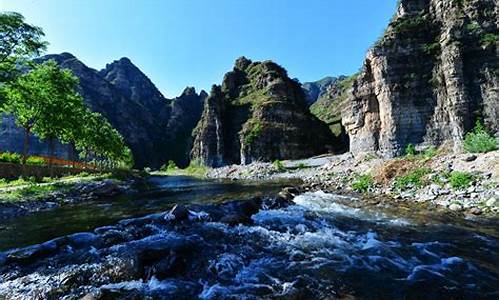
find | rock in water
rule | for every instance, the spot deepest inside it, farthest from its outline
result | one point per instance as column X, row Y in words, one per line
column 427, row 80
column 258, row 113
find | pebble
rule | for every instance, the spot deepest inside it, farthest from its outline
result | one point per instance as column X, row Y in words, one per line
column 455, row 207
column 475, row 211
column 470, row 158
column 492, row 202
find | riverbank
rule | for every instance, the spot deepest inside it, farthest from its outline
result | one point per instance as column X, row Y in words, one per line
column 20, row 197
column 463, row 182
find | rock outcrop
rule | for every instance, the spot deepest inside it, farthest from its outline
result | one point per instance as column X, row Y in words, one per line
column 428, row 79
column 133, row 105
column 258, row 113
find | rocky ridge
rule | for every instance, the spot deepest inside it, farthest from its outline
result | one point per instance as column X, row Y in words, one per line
column 428, row 79
column 258, row 113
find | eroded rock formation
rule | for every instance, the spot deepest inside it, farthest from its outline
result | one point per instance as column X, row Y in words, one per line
column 258, row 113
column 428, row 79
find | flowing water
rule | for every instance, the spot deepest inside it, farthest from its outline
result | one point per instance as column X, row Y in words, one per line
column 321, row 246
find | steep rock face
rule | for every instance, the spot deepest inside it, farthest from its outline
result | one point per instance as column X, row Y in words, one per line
column 316, row 90
column 133, row 105
column 433, row 73
column 258, row 113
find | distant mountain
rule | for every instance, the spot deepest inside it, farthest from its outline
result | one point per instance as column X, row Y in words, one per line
column 316, row 89
column 134, row 106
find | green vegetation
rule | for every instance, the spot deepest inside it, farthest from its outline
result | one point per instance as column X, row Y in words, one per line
column 362, row 183
column 328, row 108
column 460, row 180
column 479, row 140
column 196, row 168
column 432, row 48
column 410, row 150
column 254, row 132
column 279, row 166
column 409, row 24
column 489, row 39
column 430, row 152
column 414, row 178
column 10, row 157
column 170, row 166
column 33, row 160
column 301, row 166
column 20, row 43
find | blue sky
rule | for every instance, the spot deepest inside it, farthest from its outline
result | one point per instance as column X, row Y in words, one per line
column 180, row 43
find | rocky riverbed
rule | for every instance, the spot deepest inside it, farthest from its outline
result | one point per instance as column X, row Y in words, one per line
column 314, row 246
column 338, row 173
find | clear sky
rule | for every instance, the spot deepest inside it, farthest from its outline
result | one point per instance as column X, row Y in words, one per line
column 179, row 43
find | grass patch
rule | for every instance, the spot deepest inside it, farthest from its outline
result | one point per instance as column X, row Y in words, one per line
column 362, row 183
column 196, row 168
column 414, row 178
column 460, row 180
column 489, row 39
column 10, row 157
column 254, row 133
column 479, row 140
column 279, row 166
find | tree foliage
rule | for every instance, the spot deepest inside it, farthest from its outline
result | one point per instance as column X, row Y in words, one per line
column 19, row 43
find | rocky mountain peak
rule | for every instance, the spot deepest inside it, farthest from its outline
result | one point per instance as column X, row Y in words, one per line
column 258, row 113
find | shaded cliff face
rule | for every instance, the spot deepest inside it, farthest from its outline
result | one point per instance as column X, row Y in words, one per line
column 432, row 74
column 134, row 106
column 258, row 113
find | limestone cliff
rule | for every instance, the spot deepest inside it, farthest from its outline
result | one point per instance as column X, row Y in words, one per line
column 258, row 113
column 427, row 80
column 316, row 90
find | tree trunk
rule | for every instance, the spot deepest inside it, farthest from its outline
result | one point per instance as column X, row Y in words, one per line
column 51, row 156
column 26, row 145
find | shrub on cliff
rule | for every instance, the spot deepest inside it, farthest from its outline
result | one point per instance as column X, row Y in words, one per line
column 479, row 140
column 10, row 157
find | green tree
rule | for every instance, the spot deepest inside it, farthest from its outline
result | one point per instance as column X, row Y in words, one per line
column 44, row 101
column 19, row 44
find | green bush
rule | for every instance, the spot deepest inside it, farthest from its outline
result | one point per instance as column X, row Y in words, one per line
column 479, row 140
column 10, row 157
column 489, row 39
column 169, row 166
column 414, row 178
column 279, row 166
column 460, row 180
column 33, row 160
column 409, row 24
column 362, row 183
column 410, row 150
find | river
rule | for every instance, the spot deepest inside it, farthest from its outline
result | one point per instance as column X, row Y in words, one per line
column 321, row 246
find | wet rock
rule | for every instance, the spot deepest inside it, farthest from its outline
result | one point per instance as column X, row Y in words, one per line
column 177, row 213
column 235, row 219
column 31, row 254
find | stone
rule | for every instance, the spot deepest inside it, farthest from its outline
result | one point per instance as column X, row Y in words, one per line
column 492, row 202
column 455, row 207
column 475, row 211
column 470, row 158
